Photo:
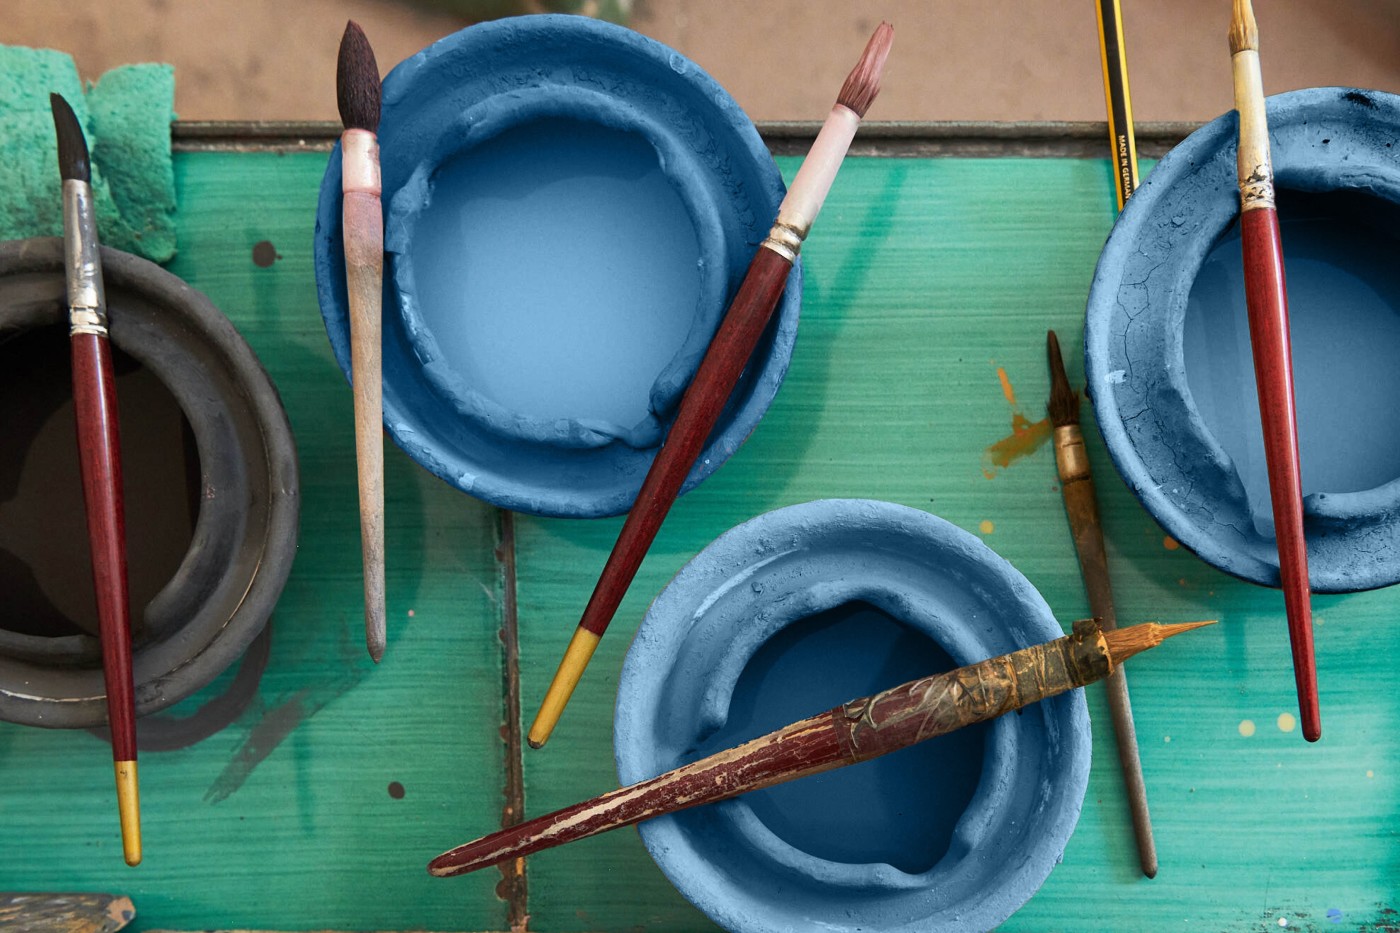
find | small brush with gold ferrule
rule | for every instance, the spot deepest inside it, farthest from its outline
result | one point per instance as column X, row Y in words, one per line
column 1082, row 510
column 1267, row 303
column 724, row 362
column 358, row 92
column 99, row 456
column 848, row 734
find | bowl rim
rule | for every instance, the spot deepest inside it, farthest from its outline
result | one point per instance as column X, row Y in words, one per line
column 663, row 662
column 1332, row 520
column 244, row 540
column 525, row 476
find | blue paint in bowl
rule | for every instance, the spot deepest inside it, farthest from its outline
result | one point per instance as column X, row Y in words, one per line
column 569, row 206
column 795, row 612
column 1167, row 355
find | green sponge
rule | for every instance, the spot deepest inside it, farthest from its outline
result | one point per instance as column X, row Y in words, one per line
column 126, row 116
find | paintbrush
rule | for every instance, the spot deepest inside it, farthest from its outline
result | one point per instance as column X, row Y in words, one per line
column 1267, row 303
column 99, row 457
column 358, row 92
column 720, row 369
column 848, row 734
column 1082, row 510
column 1117, row 98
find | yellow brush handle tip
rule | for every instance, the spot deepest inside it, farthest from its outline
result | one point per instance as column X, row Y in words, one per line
column 129, row 807
column 576, row 658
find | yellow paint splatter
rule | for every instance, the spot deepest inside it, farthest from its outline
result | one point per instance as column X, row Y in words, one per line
column 986, row 527
column 1170, row 543
column 1370, row 774
column 1246, row 727
column 1287, row 722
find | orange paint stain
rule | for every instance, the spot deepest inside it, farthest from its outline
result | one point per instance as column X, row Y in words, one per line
column 1006, row 388
column 1170, row 543
column 1025, row 438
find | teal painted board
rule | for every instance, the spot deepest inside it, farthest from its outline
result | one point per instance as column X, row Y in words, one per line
column 286, row 818
column 918, row 377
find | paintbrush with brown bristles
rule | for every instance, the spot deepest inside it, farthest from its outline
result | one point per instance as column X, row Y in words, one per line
column 1266, row 300
column 1082, row 510
column 848, row 734
column 358, row 96
column 99, row 457
column 720, row 369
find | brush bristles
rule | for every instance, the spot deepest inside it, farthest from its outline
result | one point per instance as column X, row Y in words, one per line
column 357, row 87
column 863, row 83
column 1064, row 401
column 72, row 146
column 1244, row 31
column 1123, row 643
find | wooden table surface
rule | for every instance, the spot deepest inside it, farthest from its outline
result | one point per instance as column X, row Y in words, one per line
column 930, row 282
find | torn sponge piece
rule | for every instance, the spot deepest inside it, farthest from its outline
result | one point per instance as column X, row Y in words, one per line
column 126, row 117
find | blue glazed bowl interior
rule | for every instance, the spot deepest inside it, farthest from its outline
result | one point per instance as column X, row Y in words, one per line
column 1167, row 353
column 798, row 611
column 569, row 207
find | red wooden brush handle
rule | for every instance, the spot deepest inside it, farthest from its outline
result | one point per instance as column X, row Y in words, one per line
column 700, row 408
column 95, row 400
column 1273, row 372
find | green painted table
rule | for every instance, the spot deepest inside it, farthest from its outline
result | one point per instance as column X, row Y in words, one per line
column 930, row 284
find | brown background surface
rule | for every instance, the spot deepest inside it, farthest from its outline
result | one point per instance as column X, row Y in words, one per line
column 781, row 59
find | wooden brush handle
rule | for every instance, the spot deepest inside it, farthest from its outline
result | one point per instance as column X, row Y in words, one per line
column 1267, row 301
column 700, row 408
column 99, row 456
column 364, row 274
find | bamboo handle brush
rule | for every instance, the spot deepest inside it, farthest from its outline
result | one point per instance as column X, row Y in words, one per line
column 1267, row 303
column 358, row 96
column 853, row 732
column 718, row 372
column 99, row 456
column 1082, row 510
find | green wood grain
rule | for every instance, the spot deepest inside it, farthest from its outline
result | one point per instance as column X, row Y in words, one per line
column 924, row 278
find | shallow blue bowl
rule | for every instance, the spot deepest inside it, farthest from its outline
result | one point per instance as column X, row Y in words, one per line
column 569, row 207
column 798, row 611
column 1167, row 355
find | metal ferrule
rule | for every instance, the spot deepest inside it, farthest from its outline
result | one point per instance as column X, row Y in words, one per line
column 1071, row 458
column 87, row 302
column 785, row 239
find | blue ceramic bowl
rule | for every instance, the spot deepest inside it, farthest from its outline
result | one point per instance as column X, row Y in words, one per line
column 569, row 206
column 1167, row 354
column 802, row 609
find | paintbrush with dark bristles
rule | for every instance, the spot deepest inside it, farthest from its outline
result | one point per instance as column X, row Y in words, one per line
column 720, row 369
column 358, row 96
column 1266, row 301
column 99, row 456
column 848, row 734
column 1082, row 509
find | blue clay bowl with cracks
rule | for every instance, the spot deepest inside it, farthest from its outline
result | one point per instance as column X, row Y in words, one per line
column 798, row 611
column 1167, row 356
column 569, row 207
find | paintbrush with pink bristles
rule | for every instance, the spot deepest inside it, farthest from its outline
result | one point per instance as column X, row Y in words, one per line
column 724, row 361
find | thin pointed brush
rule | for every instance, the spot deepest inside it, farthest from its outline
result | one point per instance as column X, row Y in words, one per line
column 358, row 92
column 1118, row 99
column 848, row 734
column 1082, row 510
column 1267, row 303
column 714, row 380
column 99, row 457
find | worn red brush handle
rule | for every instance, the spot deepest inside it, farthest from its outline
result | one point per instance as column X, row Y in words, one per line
column 700, row 408
column 99, row 455
column 1273, row 371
